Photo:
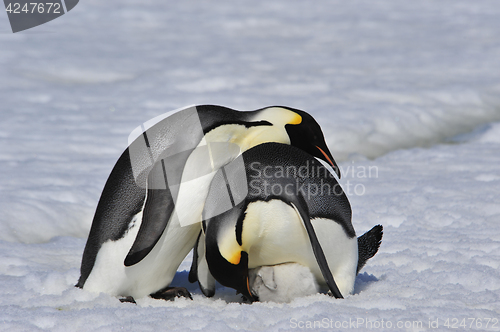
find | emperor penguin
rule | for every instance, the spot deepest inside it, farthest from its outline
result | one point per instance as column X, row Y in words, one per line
column 147, row 219
column 294, row 211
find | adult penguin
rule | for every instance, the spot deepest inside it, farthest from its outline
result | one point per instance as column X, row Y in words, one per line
column 137, row 241
column 294, row 211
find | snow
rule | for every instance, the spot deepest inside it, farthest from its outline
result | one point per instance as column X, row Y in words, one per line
column 408, row 90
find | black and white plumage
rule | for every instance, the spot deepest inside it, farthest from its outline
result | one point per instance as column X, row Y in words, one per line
column 294, row 212
column 136, row 241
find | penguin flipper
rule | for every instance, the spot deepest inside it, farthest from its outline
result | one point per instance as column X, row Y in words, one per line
column 368, row 245
column 199, row 268
column 318, row 251
column 156, row 214
column 193, row 272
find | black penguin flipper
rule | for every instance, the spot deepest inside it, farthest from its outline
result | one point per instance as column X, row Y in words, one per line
column 207, row 281
column 120, row 201
column 368, row 245
column 156, row 214
column 199, row 268
column 318, row 251
column 193, row 272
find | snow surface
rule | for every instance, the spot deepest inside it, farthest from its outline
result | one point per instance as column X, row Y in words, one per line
column 407, row 90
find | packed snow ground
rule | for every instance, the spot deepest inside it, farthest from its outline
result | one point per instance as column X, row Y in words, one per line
column 407, row 95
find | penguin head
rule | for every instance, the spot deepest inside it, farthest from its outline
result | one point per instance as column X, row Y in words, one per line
column 236, row 275
column 302, row 130
column 226, row 256
column 307, row 135
column 230, row 273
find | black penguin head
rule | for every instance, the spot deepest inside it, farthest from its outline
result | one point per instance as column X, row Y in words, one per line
column 306, row 134
column 230, row 274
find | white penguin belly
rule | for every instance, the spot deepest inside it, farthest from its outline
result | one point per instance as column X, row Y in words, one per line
column 341, row 253
column 108, row 273
column 154, row 272
column 277, row 235
column 158, row 268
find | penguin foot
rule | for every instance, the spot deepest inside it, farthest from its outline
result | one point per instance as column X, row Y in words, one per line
column 329, row 293
column 170, row 293
column 127, row 299
column 246, row 300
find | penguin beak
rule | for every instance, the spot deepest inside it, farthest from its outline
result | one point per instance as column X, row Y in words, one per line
column 227, row 273
column 329, row 159
column 243, row 286
column 246, row 292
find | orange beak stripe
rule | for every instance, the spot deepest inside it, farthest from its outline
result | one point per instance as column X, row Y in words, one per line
column 335, row 168
column 248, row 288
column 327, row 158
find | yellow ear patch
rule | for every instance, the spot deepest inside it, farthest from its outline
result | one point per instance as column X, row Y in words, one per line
column 229, row 248
column 297, row 119
column 235, row 258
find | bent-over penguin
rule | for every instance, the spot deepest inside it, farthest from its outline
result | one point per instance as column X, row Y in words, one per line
column 294, row 212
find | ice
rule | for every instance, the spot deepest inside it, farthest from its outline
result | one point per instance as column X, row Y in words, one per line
column 408, row 88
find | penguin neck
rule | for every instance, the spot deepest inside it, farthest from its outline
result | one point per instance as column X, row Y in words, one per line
column 247, row 138
column 278, row 116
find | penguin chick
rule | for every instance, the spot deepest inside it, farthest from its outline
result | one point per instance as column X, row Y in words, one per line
column 282, row 282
